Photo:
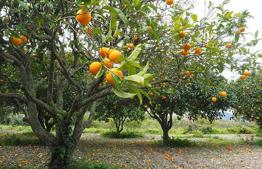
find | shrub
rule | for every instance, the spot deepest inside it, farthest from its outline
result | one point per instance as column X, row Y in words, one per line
column 113, row 134
column 207, row 130
column 21, row 139
column 197, row 134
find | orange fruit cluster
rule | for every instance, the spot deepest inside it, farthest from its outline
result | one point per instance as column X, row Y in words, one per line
column 245, row 75
column 109, row 56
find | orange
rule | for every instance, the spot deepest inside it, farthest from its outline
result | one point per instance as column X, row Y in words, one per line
column 238, row 32
column 115, row 55
column 104, row 52
column 16, row 41
column 108, row 63
column 242, row 29
column 188, row 73
column 135, row 38
column 247, row 73
column 95, row 67
column 243, row 77
column 83, row 17
column 24, row 38
column 187, row 46
column 169, row 2
column 229, row 45
column 223, row 93
column 182, row 34
column 214, row 99
column 109, row 76
column 149, row 28
column 184, row 52
column 131, row 46
column 198, row 51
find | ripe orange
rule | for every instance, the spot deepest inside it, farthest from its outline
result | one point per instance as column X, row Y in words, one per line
column 187, row 46
column 242, row 29
column 247, row 73
column 184, row 52
column 243, row 77
column 229, row 45
column 223, row 93
column 188, row 73
column 182, row 34
column 109, row 76
column 198, row 51
column 108, row 63
column 83, row 17
column 24, row 38
column 95, row 67
column 214, row 99
column 131, row 46
column 104, row 52
column 16, row 41
column 115, row 55
column 169, row 2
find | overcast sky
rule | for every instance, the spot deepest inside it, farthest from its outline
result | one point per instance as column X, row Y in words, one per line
column 254, row 24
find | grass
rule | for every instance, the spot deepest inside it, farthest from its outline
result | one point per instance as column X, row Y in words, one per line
column 19, row 139
column 175, row 142
column 128, row 134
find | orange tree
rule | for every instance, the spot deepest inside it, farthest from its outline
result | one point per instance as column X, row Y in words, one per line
column 58, row 57
column 184, row 49
column 248, row 91
column 120, row 110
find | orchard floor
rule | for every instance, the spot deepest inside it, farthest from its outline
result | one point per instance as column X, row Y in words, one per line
column 143, row 153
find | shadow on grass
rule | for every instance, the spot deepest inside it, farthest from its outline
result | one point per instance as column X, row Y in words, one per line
column 122, row 135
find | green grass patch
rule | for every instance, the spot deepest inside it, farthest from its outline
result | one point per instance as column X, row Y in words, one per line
column 19, row 139
column 128, row 134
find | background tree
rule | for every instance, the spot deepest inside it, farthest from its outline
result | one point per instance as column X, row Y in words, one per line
column 120, row 110
column 248, row 93
column 188, row 56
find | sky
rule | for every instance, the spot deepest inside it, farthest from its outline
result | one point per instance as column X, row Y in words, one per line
column 254, row 24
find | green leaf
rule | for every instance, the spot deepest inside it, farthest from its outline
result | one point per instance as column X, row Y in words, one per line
column 123, row 94
column 194, row 17
column 135, row 78
column 142, row 72
column 118, row 12
column 100, row 73
column 135, row 53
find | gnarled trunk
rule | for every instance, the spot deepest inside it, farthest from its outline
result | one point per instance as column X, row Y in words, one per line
column 165, row 135
column 61, row 157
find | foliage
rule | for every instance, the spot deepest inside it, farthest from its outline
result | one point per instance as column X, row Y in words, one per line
column 248, row 103
column 120, row 110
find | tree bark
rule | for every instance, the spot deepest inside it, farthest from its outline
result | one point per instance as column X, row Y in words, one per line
column 165, row 136
column 61, row 157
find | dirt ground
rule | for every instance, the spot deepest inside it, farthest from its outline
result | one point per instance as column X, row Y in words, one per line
column 142, row 154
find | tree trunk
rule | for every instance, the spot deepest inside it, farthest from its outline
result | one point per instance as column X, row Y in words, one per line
column 166, row 137
column 61, row 157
